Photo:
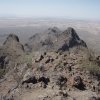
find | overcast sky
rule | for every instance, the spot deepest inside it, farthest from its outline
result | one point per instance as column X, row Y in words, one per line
column 79, row 9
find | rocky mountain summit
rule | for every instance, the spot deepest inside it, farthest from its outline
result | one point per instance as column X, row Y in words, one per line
column 10, row 51
column 54, row 40
column 54, row 65
column 13, row 44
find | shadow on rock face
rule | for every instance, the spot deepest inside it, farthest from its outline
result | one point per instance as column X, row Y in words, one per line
column 45, row 80
column 78, row 83
column 30, row 80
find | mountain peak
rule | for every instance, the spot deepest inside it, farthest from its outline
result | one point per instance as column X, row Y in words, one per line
column 71, row 31
column 54, row 29
column 11, row 37
column 54, row 39
column 71, row 39
column 12, row 44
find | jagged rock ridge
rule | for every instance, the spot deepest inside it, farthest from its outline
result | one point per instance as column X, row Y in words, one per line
column 54, row 40
column 11, row 50
column 12, row 42
column 49, row 75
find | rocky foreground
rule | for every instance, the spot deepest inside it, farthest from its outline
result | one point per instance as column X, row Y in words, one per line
column 56, row 66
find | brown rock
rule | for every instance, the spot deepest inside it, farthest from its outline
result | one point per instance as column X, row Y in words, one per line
column 77, row 82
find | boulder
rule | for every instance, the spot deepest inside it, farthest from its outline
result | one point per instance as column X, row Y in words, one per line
column 29, row 77
column 77, row 82
column 61, row 81
column 38, row 57
column 44, row 79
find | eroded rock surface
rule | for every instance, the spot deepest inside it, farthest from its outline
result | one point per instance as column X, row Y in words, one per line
column 53, row 71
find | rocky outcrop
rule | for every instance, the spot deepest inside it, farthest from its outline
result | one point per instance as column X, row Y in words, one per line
column 60, row 78
column 54, row 40
column 70, row 39
column 78, row 82
column 11, row 37
column 12, row 43
column 10, row 51
column 54, row 71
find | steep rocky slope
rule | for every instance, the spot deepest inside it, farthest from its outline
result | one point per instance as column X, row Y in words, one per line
column 54, row 40
column 56, row 69
column 11, row 50
column 12, row 44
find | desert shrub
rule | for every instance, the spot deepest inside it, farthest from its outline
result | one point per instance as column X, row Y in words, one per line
column 2, row 72
column 91, row 66
column 28, row 58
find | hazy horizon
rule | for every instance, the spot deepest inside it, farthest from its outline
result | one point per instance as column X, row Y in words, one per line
column 71, row 9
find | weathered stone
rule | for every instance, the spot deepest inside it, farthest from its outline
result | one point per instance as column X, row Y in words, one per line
column 63, row 93
column 29, row 78
column 44, row 79
column 77, row 82
column 61, row 81
column 39, row 58
column 47, row 60
column 94, row 98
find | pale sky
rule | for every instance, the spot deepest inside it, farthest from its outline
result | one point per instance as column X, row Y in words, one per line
column 79, row 9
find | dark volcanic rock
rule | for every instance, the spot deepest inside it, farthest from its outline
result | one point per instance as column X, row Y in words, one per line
column 71, row 39
column 13, row 45
column 54, row 40
column 11, row 49
column 11, row 37
column 78, row 83
column 61, row 81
